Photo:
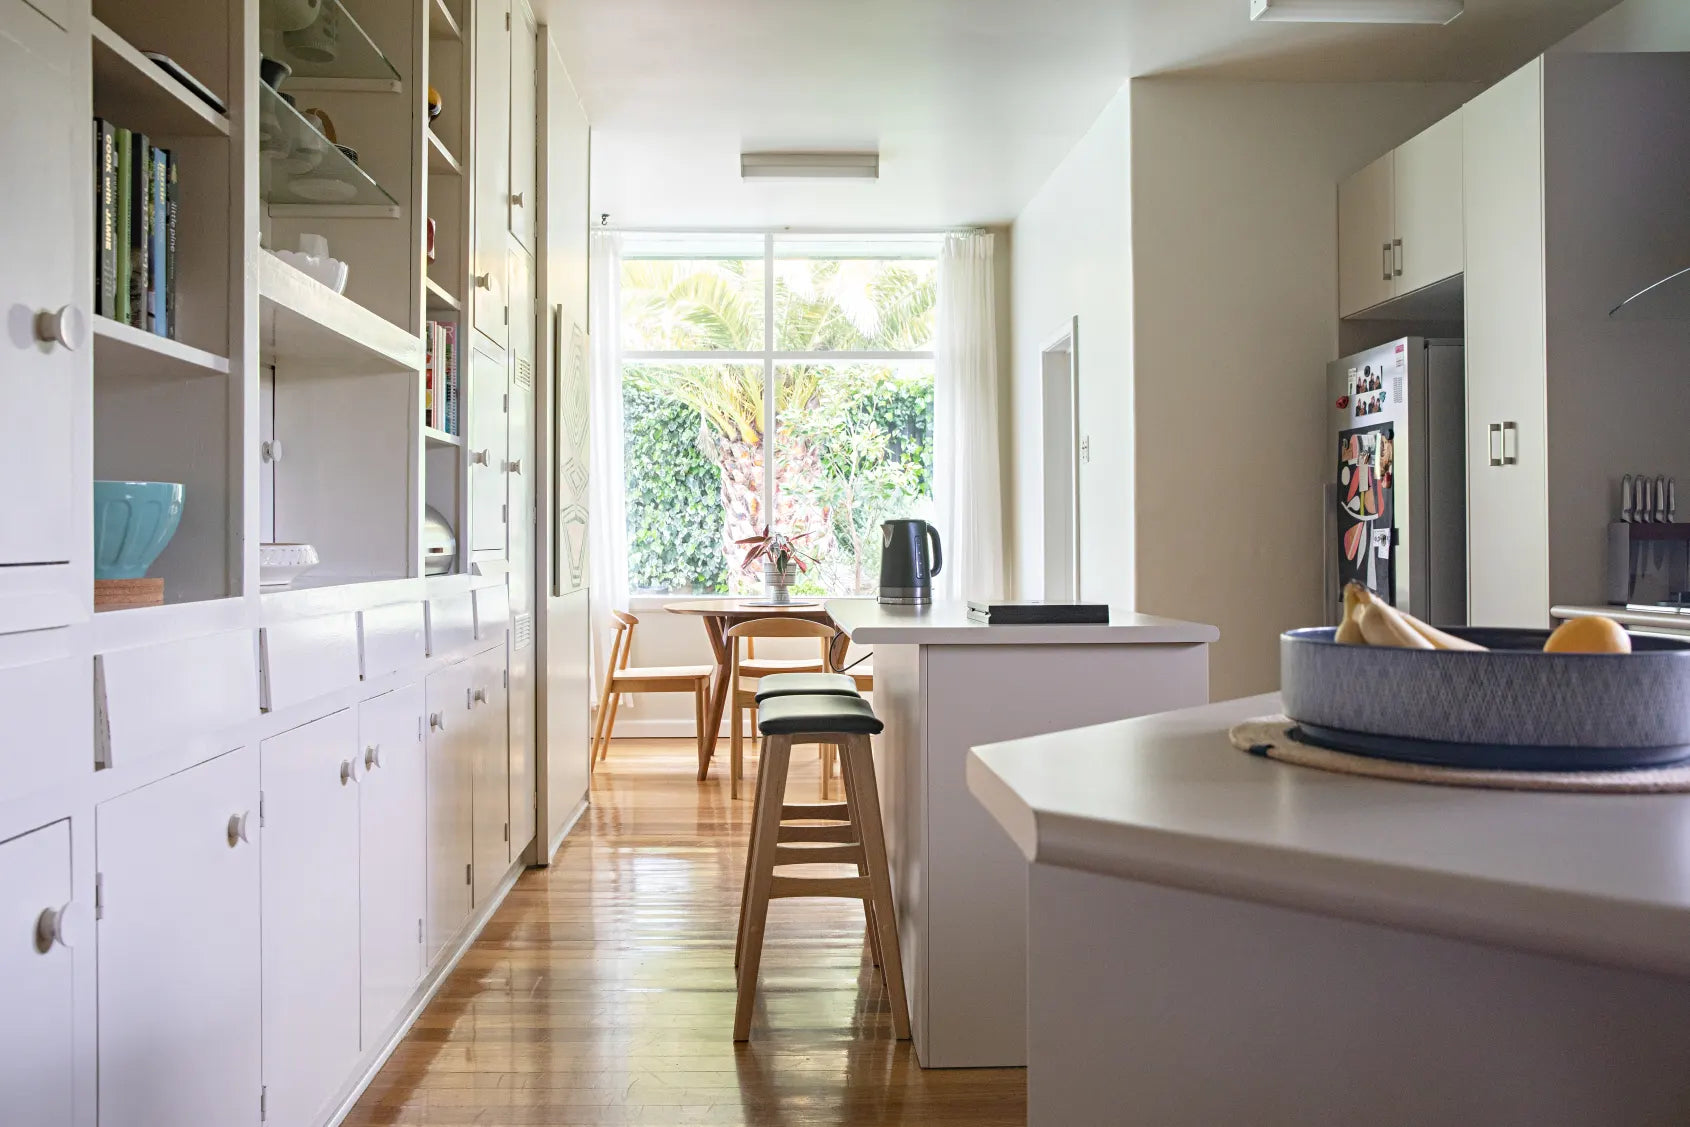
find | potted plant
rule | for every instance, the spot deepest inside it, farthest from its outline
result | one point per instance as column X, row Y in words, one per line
column 781, row 559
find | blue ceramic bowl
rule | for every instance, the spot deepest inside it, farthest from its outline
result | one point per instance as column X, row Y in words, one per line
column 133, row 521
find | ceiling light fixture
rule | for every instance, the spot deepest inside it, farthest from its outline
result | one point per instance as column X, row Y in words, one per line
column 1356, row 11
column 809, row 166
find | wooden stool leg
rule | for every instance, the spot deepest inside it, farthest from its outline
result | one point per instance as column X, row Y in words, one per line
column 827, row 753
column 864, row 797
column 870, row 933
column 765, row 832
column 736, row 767
column 745, row 889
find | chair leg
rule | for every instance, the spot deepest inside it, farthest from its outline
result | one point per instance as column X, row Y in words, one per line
column 864, row 799
column 609, row 726
column 765, row 832
column 699, row 711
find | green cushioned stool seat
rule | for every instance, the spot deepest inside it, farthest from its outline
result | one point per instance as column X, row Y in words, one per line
column 790, row 716
column 805, row 684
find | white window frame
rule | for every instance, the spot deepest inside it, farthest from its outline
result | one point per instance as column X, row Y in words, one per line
column 767, row 356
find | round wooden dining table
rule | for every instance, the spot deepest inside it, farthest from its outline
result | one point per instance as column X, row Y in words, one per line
column 719, row 616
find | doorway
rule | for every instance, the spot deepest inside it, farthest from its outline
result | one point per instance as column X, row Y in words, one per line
column 1060, row 373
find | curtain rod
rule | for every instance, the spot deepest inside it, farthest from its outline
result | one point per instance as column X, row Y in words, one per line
column 637, row 230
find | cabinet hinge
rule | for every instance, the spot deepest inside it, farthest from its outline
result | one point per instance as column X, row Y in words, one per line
column 507, row 831
column 469, row 871
column 507, row 676
column 419, row 929
column 504, row 514
column 263, row 1103
column 260, row 809
column 506, row 405
column 507, row 21
column 99, row 896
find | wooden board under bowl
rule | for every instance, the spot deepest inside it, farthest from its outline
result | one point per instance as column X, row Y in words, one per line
column 120, row 594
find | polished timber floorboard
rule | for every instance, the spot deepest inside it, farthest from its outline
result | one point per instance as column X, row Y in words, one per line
column 602, row 992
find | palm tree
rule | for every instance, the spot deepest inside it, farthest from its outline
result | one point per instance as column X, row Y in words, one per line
column 820, row 305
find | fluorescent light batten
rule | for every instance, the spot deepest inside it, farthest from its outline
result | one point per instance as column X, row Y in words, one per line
column 1436, row 12
column 809, row 166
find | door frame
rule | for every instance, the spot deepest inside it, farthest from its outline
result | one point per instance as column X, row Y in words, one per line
column 1059, row 396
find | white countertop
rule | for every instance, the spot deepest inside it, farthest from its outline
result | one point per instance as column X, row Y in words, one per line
column 1167, row 800
column 1660, row 618
column 942, row 623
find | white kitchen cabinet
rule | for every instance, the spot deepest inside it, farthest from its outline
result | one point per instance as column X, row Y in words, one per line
column 1400, row 220
column 44, row 351
column 519, row 453
column 1507, row 364
column 524, row 122
column 178, row 949
column 1365, row 229
column 1427, row 246
column 491, row 167
column 37, row 978
column 490, row 756
column 392, row 854
column 451, row 809
column 488, row 440
column 310, row 909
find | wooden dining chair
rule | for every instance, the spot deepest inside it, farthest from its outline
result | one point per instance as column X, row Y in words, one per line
column 744, row 670
column 620, row 678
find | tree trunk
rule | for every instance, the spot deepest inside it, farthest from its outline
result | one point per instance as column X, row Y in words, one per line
column 743, row 511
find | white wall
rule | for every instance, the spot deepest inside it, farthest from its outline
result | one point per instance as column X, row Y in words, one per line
column 1636, row 25
column 1072, row 258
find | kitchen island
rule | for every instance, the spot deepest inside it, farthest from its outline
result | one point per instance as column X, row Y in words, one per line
column 1219, row 938
column 943, row 683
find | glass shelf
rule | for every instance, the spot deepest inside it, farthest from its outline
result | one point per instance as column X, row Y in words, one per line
column 1666, row 300
column 333, row 53
column 300, row 169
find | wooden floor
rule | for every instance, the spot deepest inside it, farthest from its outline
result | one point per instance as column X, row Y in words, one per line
column 602, row 992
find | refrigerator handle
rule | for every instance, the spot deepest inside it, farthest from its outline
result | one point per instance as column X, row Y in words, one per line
column 1329, row 551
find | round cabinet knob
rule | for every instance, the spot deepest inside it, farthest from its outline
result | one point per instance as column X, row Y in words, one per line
column 348, row 771
column 516, row 198
column 484, row 281
column 64, row 926
column 478, row 457
column 239, row 828
column 372, row 757
column 514, row 467
column 65, row 325
column 437, row 721
column 480, row 696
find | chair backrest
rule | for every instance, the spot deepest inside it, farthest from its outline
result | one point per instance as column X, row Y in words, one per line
column 777, row 626
column 621, row 638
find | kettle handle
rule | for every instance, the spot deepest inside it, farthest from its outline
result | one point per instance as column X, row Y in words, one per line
column 938, row 553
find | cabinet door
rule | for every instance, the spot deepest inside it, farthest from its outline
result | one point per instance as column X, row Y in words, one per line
column 1365, row 224
column 1507, row 367
column 310, row 804
column 1428, row 204
column 519, row 454
column 178, row 948
column 488, row 445
column 40, row 381
column 37, row 983
column 393, row 852
column 524, row 122
column 492, row 171
column 491, row 756
column 451, row 846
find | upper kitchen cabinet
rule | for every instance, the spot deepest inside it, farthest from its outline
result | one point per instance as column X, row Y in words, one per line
column 524, row 120
column 492, row 187
column 1400, row 220
column 44, row 366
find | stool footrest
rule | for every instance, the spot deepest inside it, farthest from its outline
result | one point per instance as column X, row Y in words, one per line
column 782, row 888
column 835, row 811
column 847, row 853
column 843, row 832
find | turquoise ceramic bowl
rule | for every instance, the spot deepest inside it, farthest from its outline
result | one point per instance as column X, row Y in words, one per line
column 133, row 521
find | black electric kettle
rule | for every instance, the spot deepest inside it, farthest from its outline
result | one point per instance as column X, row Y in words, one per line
column 906, row 566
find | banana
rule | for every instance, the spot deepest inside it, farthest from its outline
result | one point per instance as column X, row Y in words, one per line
column 1439, row 639
column 1381, row 625
column 1349, row 631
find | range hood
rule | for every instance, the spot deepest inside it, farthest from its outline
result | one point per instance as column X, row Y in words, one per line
column 1666, row 300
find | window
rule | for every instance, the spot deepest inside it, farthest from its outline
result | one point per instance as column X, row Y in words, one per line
column 774, row 380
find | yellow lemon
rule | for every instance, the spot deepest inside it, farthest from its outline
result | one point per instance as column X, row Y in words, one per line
column 1591, row 635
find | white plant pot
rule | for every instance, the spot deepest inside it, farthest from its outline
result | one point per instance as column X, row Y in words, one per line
column 777, row 585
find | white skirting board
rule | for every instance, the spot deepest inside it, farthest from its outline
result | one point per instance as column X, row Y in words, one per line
column 568, row 828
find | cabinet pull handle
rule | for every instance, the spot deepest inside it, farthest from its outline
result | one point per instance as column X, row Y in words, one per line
column 1510, row 444
column 437, row 721
column 372, row 757
column 1386, row 247
column 1396, row 257
column 484, row 281
column 239, row 830
column 1493, row 440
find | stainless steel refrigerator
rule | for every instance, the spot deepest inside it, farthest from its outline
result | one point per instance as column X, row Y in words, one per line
column 1396, row 501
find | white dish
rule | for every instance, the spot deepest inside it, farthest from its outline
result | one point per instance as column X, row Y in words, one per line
column 280, row 564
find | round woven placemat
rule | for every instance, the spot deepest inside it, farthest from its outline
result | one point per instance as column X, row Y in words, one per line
column 1275, row 737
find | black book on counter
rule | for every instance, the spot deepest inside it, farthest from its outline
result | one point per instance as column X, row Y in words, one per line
column 1037, row 613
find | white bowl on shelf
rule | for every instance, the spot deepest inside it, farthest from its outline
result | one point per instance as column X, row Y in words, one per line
column 280, row 564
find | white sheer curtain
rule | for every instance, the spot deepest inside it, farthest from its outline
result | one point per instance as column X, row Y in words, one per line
column 607, row 509
column 968, row 489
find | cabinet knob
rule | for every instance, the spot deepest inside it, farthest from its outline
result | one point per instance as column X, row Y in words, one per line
column 239, row 828
column 437, row 721
column 64, row 926
column 479, row 696
column 514, row 467
column 516, row 198
column 484, row 281
column 348, row 771
column 372, row 757
column 478, row 457
column 65, row 326
column 271, row 451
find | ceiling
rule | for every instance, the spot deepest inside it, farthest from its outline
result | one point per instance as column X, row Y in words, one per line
column 971, row 103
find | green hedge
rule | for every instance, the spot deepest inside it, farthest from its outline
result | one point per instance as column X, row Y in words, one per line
column 674, row 498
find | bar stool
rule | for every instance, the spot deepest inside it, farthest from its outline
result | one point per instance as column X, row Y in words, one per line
column 847, row 722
